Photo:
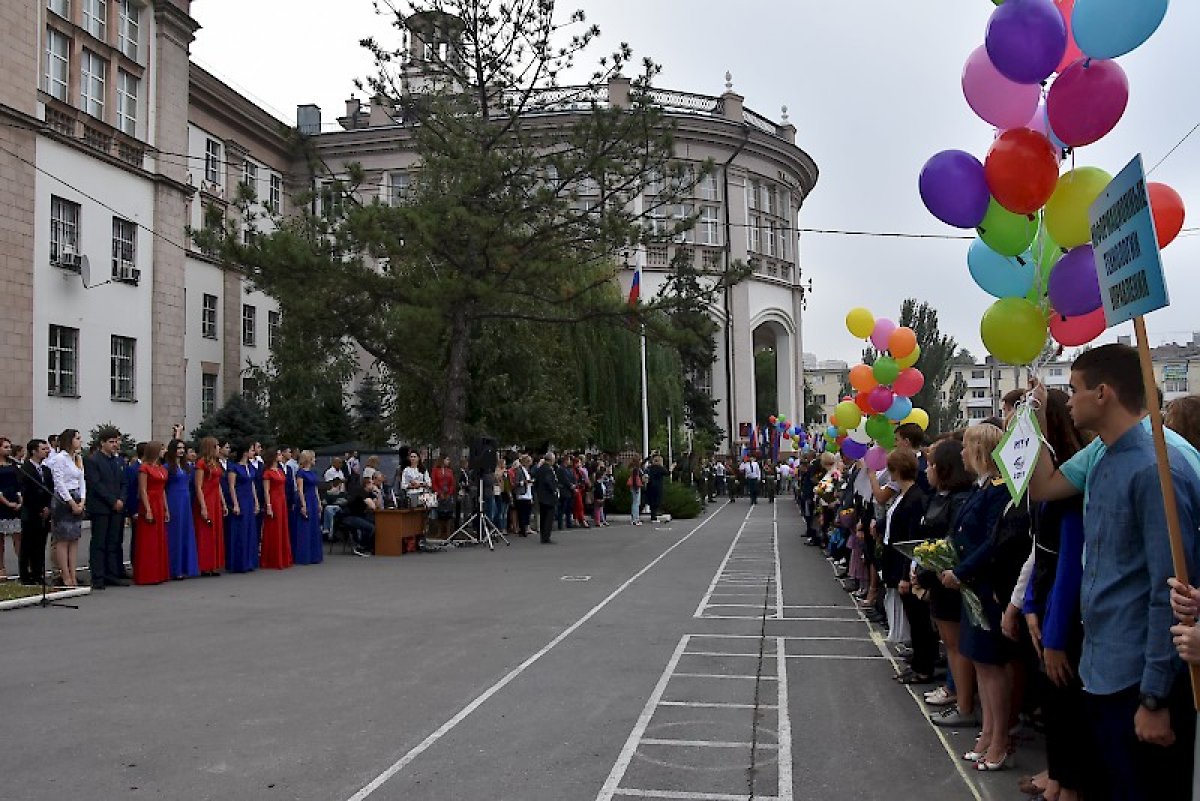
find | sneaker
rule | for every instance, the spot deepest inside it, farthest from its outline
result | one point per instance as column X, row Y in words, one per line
column 951, row 718
column 940, row 697
column 361, row 552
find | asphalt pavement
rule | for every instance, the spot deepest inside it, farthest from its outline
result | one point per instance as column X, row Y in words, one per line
column 707, row 659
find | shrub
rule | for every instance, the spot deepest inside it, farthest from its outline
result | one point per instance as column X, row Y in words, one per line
column 679, row 500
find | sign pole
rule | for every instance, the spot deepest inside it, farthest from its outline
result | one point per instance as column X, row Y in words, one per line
column 1178, row 555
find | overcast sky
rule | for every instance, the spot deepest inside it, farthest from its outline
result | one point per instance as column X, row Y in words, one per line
column 874, row 88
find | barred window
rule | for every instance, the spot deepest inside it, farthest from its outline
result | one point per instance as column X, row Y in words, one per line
column 63, row 361
column 121, row 371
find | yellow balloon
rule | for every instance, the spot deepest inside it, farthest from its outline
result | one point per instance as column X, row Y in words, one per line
column 918, row 416
column 1067, row 209
column 848, row 415
column 860, row 322
column 911, row 359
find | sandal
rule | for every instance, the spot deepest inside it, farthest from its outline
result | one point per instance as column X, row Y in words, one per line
column 912, row 677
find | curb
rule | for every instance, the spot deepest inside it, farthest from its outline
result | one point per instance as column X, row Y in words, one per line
column 34, row 600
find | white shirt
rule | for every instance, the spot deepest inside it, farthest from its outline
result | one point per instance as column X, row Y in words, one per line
column 750, row 469
column 333, row 474
column 67, row 476
column 413, row 475
column 368, row 472
column 527, row 494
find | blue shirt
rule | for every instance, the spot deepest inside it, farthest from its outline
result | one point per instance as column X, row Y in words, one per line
column 1124, row 596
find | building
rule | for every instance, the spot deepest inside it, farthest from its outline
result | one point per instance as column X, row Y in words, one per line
column 826, row 379
column 115, row 146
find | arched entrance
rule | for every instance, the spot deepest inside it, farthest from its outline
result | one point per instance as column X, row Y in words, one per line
column 774, row 370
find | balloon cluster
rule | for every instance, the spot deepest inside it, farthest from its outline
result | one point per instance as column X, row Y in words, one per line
column 1033, row 253
column 884, row 390
column 787, row 429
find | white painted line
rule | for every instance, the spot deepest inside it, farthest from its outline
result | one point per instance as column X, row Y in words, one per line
column 722, row 676
column 715, row 705
column 778, row 562
column 682, row 795
column 825, row 606
column 724, row 562
column 717, row 653
column 830, row 656
column 703, row 743
column 784, row 735
column 508, row 678
column 639, row 728
column 781, row 637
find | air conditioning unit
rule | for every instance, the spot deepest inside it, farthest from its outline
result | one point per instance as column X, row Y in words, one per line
column 128, row 273
column 69, row 261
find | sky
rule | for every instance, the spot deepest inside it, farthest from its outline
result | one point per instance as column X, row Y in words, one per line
column 873, row 87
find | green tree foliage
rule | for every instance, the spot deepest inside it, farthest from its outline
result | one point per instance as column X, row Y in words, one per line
column 128, row 444
column 241, row 419
column 766, row 384
column 372, row 422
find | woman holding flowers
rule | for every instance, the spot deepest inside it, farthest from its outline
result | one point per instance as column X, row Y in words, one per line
column 981, row 640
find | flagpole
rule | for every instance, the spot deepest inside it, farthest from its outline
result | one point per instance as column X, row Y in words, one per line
column 645, row 402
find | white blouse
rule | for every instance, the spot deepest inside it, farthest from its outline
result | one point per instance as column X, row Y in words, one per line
column 413, row 475
column 67, row 475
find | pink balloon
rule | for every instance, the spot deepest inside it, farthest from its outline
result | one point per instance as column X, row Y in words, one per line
column 880, row 399
column 876, row 458
column 1073, row 54
column 883, row 331
column 1087, row 101
column 1040, row 123
column 909, row 382
column 997, row 100
column 1072, row 332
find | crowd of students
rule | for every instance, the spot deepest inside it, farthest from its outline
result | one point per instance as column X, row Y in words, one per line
column 1055, row 610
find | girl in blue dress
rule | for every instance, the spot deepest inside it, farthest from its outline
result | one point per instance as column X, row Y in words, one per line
column 181, row 532
column 306, row 537
column 242, row 554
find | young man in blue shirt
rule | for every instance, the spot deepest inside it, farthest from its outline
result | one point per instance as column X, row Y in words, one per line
column 1137, row 693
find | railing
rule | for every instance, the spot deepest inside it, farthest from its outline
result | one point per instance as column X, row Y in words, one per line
column 670, row 100
column 760, row 122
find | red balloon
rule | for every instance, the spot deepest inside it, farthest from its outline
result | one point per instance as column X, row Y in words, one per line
column 1167, row 207
column 863, row 401
column 772, row 419
column 1021, row 170
column 1073, row 54
column 1072, row 332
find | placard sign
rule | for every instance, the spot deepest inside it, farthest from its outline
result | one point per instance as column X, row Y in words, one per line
column 1018, row 452
column 1127, row 259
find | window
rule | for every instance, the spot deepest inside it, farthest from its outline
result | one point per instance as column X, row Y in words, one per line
column 785, row 237
column 249, row 388
column 272, row 327
column 93, row 72
column 977, row 374
column 399, row 188
column 710, row 225
column 769, row 239
column 276, row 193
column 95, row 17
column 208, row 394
column 127, row 102
column 63, row 357
column 819, row 400
column 208, row 317
column 589, row 186
column 212, row 161
column 653, row 181
column 768, row 199
column 753, row 194
column 1058, row 371
column 978, row 393
column 1175, row 378
column 58, row 62
column 127, row 28
column 123, row 247
column 979, row 414
column 249, row 321
column 752, row 233
column 708, row 188
column 250, row 175
column 683, row 215
column 64, row 230
column 60, row 7
column 657, row 220
column 332, row 199
column 121, row 369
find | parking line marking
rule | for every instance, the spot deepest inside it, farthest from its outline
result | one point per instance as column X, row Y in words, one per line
column 723, row 676
column 683, row 795
column 724, row 562
column 704, row 743
column 715, row 704
column 784, row 735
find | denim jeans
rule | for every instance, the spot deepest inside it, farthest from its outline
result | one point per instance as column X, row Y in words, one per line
column 364, row 531
column 635, row 512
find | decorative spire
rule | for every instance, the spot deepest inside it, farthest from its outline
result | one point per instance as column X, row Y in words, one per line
column 785, row 116
column 728, row 81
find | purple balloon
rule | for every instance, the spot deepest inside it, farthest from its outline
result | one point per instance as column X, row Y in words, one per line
column 954, row 189
column 1074, row 287
column 881, row 399
column 853, row 450
column 883, row 331
column 1026, row 39
column 1087, row 101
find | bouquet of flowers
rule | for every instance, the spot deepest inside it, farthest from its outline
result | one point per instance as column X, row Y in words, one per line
column 828, row 491
column 939, row 555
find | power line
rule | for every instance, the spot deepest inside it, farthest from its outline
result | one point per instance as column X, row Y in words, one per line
column 1186, row 136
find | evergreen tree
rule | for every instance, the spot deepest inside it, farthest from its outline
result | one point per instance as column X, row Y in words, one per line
column 371, row 419
column 241, row 419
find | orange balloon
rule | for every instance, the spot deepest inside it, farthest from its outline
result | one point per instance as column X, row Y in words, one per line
column 1167, row 207
column 862, row 378
column 902, row 342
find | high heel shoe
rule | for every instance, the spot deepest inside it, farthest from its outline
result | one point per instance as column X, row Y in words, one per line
column 1003, row 764
column 974, row 756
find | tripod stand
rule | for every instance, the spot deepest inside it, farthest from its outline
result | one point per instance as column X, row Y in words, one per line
column 45, row 602
column 478, row 528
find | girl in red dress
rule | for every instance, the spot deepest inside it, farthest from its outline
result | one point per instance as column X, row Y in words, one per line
column 276, row 545
column 151, row 561
column 208, row 511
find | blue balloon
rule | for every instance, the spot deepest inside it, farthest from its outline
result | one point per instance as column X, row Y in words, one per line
column 831, row 432
column 1000, row 276
column 900, row 408
column 1112, row 28
column 797, row 430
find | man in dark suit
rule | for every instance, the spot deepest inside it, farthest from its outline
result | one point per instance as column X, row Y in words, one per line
column 545, row 491
column 37, row 490
column 105, row 505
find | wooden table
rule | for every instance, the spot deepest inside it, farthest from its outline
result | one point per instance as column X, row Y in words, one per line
column 397, row 530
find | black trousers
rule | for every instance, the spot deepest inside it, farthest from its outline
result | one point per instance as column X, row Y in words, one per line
column 106, row 559
column 1130, row 770
column 31, row 561
column 924, row 639
column 524, row 514
column 1069, row 748
column 546, row 520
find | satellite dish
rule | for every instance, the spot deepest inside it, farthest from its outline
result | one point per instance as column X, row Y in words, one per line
column 85, row 271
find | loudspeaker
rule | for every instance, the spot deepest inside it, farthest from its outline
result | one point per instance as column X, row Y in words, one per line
column 483, row 454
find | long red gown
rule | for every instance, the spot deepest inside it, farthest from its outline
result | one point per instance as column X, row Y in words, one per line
column 276, row 545
column 151, row 560
column 210, row 537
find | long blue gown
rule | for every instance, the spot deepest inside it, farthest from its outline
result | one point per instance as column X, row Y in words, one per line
column 181, row 532
column 306, row 537
column 256, row 476
column 241, row 553
column 293, row 504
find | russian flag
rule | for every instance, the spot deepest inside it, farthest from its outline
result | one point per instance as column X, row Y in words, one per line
column 635, row 289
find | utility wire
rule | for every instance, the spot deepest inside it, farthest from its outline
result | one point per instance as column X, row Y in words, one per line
column 1186, row 136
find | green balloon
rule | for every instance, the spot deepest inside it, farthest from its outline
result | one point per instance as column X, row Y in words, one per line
column 885, row 370
column 1013, row 330
column 1007, row 233
column 888, row 440
column 878, row 427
